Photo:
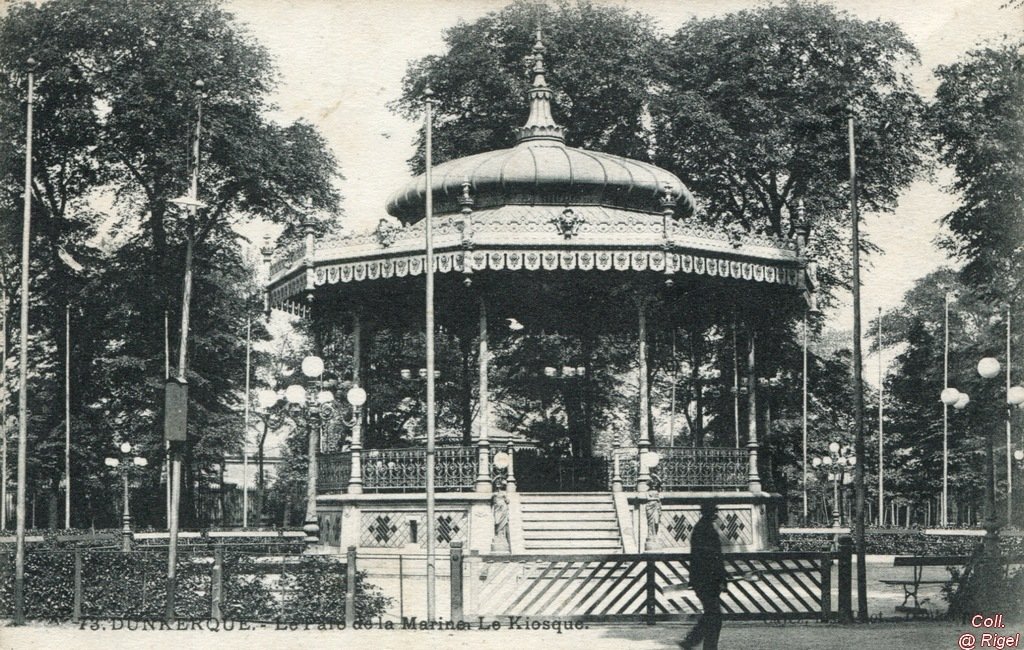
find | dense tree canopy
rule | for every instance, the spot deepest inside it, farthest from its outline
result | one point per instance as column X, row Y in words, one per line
column 752, row 114
column 978, row 121
column 115, row 112
column 601, row 70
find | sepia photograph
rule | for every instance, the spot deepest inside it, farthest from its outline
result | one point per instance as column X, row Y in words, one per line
column 512, row 323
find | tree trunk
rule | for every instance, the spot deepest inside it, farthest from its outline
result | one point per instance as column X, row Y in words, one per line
column 52, row 506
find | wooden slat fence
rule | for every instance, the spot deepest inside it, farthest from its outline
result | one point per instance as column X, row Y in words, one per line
column 778, row 586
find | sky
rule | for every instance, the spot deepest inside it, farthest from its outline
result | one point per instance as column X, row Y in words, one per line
column 341, row 62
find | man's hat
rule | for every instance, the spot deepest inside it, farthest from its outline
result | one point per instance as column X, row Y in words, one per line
column 708, row 508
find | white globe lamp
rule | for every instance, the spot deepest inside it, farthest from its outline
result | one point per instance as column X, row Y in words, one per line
column 312, row 366
column 988, row 367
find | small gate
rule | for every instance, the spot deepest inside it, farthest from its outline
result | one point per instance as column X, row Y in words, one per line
column 767, row 586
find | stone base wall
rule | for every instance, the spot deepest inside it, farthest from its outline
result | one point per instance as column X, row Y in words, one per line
column 396, row 523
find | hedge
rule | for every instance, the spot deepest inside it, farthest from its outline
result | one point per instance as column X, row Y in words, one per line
column 131, row 585
column 901, row 542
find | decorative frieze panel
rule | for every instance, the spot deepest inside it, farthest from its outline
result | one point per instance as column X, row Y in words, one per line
column 734, row 526
column 397, row 529
column 548, row 260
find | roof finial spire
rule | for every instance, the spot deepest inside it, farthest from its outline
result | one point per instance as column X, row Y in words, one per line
column 540, row 125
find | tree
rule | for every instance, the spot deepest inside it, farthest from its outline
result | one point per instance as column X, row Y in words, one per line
column 976, row 120
column 914, row 383
column 115, row 113
column 751, row 114
column 600, row 61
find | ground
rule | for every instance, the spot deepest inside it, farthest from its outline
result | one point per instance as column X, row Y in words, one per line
column 748, row 636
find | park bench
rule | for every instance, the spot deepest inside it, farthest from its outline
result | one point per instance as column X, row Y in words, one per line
column 917, row 564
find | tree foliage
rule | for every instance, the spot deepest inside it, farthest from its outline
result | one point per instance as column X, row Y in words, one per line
column 752, row 110
column 115, row 114
column 978, row 122
column 599, row 59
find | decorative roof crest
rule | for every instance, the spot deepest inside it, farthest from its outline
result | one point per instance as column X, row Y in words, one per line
column 540, row 125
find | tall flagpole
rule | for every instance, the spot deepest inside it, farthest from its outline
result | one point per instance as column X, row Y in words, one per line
column 1009, row 428
column 735, row 384
column 858, row 387
column 167, row 445
column 19, row 556
column 186, row 304
column 431, row 521
column 3, row 406
column 245, row 433
column 881, row 428
column 805, row 417
column 945, row 420
column 67, row 416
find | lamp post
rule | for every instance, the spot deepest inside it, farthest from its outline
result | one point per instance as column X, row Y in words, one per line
column 988, row 368
column 124, row 466
column 834, row 465
column 316, row 405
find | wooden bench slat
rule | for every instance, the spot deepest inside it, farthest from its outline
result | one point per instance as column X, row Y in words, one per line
column 929, row 560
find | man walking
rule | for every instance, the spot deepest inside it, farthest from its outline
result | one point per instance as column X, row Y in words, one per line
column 707, row 577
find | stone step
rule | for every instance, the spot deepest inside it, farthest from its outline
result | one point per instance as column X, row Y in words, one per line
column 568, row 516
column 564, row 506
column 582, row 535
column 604, row 523
column 560, row 547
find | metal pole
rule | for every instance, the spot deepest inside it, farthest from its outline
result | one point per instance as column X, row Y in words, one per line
column 245, row 430
column 858, row 391
column 804, row 416
column 67, row 417
column 643, row 442
column 945, row 420
column 1009, row 428
column 3, row 406
column 735, row 383
column 19, row 556
column 126, row 517
column 186, row 301
column 675, row 380
column 881, row 428
column 167, row 445
column 431, row 522
column 483, row 483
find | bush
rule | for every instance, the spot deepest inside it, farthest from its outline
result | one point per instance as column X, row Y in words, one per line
column 131, row 585
column 902, row 542
column 979, row 589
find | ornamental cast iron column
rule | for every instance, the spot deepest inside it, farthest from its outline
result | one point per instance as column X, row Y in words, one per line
column 644, row 443
column 483, row 480
column 355, row 480
column 753, row 479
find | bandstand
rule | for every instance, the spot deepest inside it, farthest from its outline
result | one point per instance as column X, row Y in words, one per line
column 564, row 240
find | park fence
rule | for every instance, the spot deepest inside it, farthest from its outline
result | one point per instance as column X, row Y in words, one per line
column 648, row 587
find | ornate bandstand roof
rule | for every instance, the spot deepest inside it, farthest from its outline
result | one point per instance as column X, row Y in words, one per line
column 541, row 170
column 539, row 206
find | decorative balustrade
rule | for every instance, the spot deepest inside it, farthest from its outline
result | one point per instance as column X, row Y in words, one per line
column 401, row 470
column 333, row 470
column 690, row 468
column 456, row 469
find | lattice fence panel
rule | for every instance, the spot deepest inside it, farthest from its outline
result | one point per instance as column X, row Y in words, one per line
column 762, row 586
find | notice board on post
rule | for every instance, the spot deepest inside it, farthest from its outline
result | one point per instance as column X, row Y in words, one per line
column 175, row 409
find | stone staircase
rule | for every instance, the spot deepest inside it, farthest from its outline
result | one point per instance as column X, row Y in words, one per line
column 579, row 523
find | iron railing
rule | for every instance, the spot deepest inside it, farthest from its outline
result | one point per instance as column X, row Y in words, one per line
column 691, row 468
column 401, row 470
